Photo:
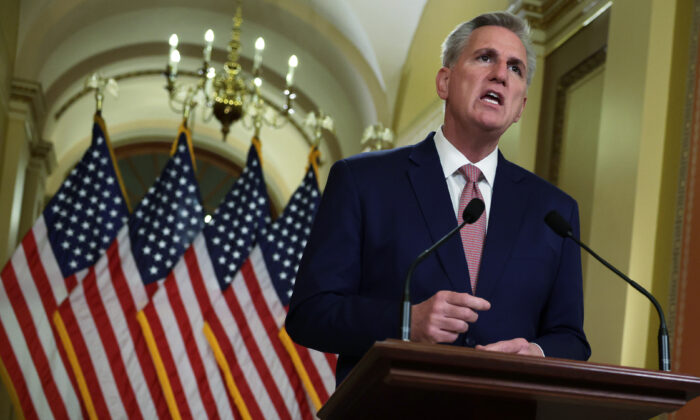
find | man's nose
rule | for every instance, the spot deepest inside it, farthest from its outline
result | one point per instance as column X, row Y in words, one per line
column 499, row 73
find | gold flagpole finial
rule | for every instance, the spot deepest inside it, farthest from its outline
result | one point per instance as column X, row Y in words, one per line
column 100, row 84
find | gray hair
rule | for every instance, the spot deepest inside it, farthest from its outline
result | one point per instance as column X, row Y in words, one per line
column 458, row 38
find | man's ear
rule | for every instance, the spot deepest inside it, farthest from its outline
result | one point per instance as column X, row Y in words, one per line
column 522, row 108
column 442, row 82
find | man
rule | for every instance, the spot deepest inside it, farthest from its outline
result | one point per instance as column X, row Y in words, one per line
column 508, row 284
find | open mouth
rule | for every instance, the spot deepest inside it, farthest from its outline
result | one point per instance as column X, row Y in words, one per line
column 492, row 98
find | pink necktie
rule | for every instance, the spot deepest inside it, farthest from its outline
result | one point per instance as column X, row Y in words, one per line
column 472, row 234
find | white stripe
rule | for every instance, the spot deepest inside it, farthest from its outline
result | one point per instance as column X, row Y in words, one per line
column 118, row 322
column 185, row 373
column 245, row 363
column 21, row 351
column 212, row 289
column 44, row 330
column 268, row 289
column 275, row 307
column 265, row 345
column 48, row 260
column 324, row 370
column 99, row 362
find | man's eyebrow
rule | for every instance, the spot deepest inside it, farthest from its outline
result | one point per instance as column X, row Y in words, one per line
column 516, row 60
column 486, row 50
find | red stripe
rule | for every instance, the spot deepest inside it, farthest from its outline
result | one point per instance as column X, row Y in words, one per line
column 10, row 360
column 272, row 329
column 36, row 351
column 332, row 361
column 129, row 308
column 200, row 290
column 312, row 371
column 48, row 299
column 230, row 355
column 76, row 338
column 254, row 350
column 167, row 359
column 70, row 282
column 109, row 341
column 183, row 322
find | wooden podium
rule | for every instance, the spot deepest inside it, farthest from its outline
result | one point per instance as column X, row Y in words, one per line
column 406, row 380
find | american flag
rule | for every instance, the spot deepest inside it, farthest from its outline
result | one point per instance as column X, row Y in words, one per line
column 172, row 321
column 245, row 325
column 75, row 228
column 98, row 323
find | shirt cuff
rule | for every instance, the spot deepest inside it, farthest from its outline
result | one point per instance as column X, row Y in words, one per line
column 538, row 346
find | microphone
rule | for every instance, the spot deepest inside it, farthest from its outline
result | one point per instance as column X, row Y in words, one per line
column 562, row 228
column 470, row 215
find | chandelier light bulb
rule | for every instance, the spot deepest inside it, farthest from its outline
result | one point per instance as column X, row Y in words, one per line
column 257, row 81
column 260, row 44
column 175, row 56
column 173, row 40
column 209, row 36
column 293, row 61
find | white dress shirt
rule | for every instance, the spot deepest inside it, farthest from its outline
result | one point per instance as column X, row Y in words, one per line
column 452, row 159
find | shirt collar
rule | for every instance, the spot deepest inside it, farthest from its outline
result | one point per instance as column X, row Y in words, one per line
column 452, row 159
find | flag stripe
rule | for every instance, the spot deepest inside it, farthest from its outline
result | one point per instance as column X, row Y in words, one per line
column 199, row 290
column 186, row 332
column 80, row 330
column 85, row 382
column 294, row 352
column 231, row 366
column 248, row 335
column 12, row 377
column 271, row 313
column 127, row 293
column 164, row 362
column 239, row 359
column 162, row 351
column 27, row 321
column 226, row 372
column 312, row 365
column 110, row 343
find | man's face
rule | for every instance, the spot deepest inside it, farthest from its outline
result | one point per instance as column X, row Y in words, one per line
column 486, row 88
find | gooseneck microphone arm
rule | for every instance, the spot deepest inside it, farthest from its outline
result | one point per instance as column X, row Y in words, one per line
column 470, row 215
column 559, row 225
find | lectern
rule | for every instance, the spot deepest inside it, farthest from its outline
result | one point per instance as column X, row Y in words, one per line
column 405, row 380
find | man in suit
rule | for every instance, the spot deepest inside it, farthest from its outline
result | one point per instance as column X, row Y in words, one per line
column 508, row 284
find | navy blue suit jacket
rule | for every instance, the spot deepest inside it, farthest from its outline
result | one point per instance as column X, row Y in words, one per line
column 380, row 210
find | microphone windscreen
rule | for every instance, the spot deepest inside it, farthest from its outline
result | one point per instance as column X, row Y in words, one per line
column 473, row 210
column 558, row 224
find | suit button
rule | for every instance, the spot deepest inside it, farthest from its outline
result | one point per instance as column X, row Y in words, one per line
column 470, row 342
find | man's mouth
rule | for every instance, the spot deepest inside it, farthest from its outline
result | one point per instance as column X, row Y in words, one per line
column 492, row 98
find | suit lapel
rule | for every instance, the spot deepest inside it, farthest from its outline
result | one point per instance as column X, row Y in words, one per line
column 428, row 182
column 508, row 208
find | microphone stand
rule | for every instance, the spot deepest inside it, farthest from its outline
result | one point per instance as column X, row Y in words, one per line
column 557, row 223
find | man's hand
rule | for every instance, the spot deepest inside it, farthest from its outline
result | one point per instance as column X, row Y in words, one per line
column 444, row 316
column 516, row 345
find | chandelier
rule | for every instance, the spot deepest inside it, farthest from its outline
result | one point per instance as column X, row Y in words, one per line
column 226, row 94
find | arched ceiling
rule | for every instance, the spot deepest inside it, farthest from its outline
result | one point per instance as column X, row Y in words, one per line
column 350, row 52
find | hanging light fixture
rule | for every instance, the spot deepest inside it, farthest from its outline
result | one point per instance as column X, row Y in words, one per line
column 226, row 94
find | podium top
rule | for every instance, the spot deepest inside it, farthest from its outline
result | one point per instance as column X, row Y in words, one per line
column 411, row 380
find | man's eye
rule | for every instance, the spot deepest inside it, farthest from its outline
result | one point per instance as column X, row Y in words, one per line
column 484, row 58
column 516, row 69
